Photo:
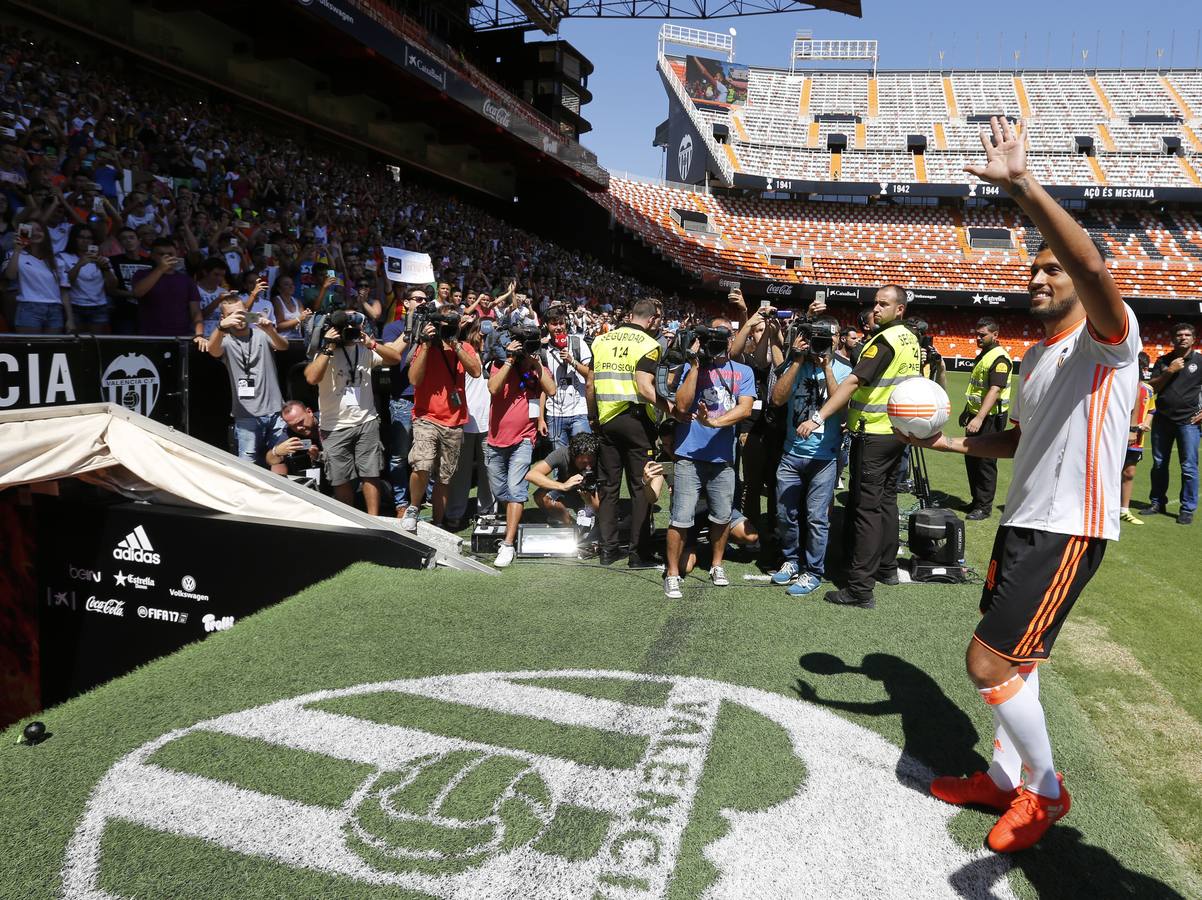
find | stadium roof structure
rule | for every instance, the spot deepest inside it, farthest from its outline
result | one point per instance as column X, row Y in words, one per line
column 546, row 15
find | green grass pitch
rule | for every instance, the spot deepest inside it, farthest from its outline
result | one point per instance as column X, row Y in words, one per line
column 772, row 714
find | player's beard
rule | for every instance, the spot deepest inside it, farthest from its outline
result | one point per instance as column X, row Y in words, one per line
column 1054, row 309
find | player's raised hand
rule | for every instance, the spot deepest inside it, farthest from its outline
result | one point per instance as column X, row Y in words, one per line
column 1005, row 155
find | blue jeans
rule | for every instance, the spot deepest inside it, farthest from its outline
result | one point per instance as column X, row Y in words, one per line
column 507, row 468
column 255, row 435
column 561, row 429
column 400, row 413
column 801, row 478
column 1164, row 434
column 45, row 318
column 689, row 476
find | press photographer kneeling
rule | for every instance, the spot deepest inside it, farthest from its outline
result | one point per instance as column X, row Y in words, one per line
column 566, row 481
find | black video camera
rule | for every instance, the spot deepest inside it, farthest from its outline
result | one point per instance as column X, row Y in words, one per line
column 347, row 322
column 530, row 336
column 920, row 327
column 446, row 323
column 820, row 335
column 714, row 343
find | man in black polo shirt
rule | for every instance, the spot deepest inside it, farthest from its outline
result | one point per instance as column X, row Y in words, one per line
column 1177, row 380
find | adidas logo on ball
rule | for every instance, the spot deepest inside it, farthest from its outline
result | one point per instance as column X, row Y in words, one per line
column 136, row 547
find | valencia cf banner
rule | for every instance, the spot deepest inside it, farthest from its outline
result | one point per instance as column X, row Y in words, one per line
column 143, row 375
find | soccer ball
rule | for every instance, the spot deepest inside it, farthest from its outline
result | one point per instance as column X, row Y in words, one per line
column 919, row 407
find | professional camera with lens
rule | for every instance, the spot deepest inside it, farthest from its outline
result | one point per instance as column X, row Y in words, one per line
column 348, row 323
column 820, row 335
column 589, row 484
column 920, row 327
column 445, row 321
column 713, row 344
column 530, row 338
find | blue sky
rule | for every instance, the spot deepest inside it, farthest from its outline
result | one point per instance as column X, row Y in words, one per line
column 629, row 101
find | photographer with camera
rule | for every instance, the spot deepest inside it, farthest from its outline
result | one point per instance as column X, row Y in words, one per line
column 440, row 409
column 807, row 472
column 255, row 398
column 299, row 453
column 516, row 385
column 565, row 413
column 986, row 411
column 566, row 481
column 350, row 427
column 889, row 357
column 714, row 394
column 626, row 404
column 931, row 364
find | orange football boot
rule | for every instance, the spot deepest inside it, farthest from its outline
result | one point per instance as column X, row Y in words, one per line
column 977, row 789
column 1028, row 819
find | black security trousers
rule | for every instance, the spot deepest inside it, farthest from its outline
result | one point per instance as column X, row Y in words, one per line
column 982, row 473
column 873, row 514
column 627, row 442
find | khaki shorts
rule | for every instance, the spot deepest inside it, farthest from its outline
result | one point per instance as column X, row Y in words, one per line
column 435, row 449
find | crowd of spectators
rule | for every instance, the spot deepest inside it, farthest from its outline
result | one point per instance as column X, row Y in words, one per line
column 131, row 208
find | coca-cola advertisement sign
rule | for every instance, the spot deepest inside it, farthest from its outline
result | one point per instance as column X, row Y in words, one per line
column 497, row 113
column 107, row 607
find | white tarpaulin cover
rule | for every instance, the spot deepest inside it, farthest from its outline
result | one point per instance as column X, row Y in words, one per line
column 136, row 460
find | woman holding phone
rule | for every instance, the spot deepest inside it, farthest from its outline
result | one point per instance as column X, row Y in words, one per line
column 90, row 277
column 290, row 312
column 43, row 305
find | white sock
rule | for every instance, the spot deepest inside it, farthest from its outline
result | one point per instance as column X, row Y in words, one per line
column 1016, row 704
column 1006, row 769
column 1123, row 510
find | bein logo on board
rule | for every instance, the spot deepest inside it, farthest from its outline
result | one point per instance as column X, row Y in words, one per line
column 78, row 574
column 136, row 547
column 107, row 607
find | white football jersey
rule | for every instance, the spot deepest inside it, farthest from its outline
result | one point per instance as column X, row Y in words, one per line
column 1073, row 403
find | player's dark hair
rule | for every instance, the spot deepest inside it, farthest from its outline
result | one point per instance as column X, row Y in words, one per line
column 1097, row 245
column 584, row 444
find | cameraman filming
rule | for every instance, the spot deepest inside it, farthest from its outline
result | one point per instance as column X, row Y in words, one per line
column 516, row 385
column 440, row 408
column 806, row 476
column 350, row 427
column 715, row 394
column 986, row 411
column 889, row 357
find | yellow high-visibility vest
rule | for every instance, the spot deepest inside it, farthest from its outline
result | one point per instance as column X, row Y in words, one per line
column 616, row 356
column 870, row 403
column 978, row 384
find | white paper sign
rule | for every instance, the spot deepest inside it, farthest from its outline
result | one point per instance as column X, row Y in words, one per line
column 408, row 267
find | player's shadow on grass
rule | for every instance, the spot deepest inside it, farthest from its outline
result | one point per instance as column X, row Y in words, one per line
column 938, row 734
column 1062, row 865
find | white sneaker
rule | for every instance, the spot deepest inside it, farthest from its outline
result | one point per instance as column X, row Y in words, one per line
column 409, row 520
column 718, row 577
column 672, row 587
column 504, row 556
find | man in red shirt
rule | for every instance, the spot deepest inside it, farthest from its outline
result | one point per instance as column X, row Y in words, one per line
column 516, row 385
column 436, row 372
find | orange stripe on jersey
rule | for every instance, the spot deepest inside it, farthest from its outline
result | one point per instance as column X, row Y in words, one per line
column 1047, row 610
column 1093, row 400
column 1064, row 560
column 1101, row 484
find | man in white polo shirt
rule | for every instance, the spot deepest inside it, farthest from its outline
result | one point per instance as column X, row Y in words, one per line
column 1070, row 417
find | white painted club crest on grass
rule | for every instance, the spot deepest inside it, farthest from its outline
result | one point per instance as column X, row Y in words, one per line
column 851, row 830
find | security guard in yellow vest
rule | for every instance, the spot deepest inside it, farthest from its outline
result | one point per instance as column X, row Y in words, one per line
column 891, row 355
column 986, row 409
column 623, row 407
